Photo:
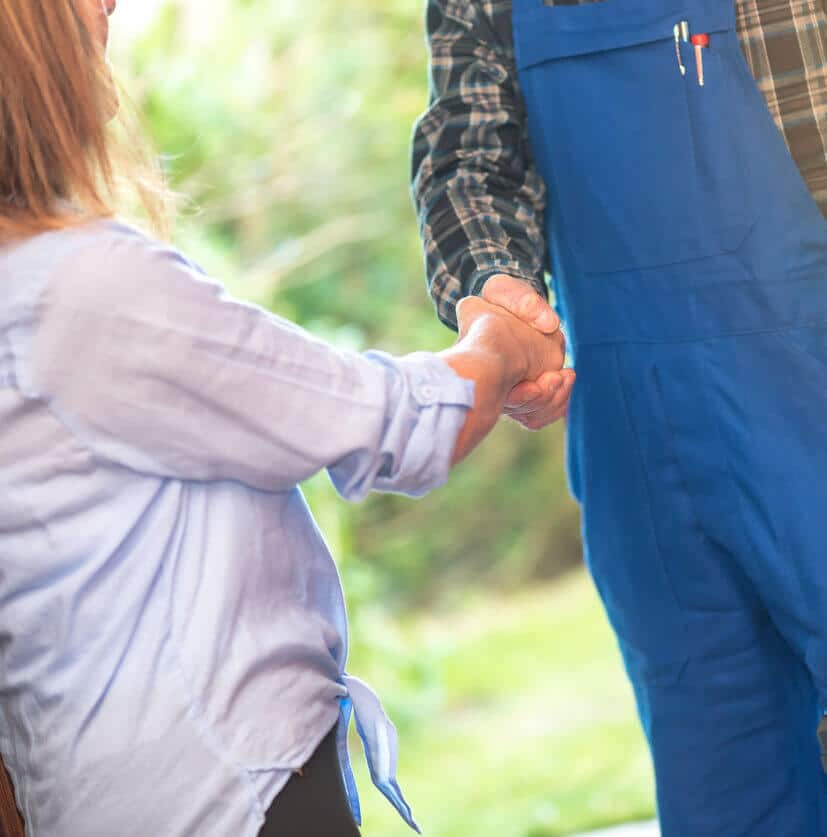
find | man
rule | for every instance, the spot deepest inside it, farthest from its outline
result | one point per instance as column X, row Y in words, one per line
column 667, row 163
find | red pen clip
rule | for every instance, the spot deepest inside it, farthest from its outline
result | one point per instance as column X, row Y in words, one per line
column 700, row 42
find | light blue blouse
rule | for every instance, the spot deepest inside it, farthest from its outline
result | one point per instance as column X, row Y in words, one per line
column 172, row 627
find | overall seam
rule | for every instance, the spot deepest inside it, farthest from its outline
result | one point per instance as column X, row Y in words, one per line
column 697, row 517
column 647, row 494
column 743, row 547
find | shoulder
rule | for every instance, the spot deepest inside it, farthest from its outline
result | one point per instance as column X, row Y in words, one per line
column 105, row 266
column 113, row 253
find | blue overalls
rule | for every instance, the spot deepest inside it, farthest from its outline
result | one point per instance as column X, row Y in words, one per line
column 690, row 264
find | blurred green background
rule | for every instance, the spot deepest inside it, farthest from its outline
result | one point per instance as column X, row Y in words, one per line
column 287, row 125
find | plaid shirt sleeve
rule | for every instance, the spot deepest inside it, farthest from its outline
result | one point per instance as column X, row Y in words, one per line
column 479, row 199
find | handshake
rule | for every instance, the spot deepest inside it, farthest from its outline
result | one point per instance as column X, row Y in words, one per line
column 511, row 346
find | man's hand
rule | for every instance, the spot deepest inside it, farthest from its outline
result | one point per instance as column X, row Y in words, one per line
column 535, row 402
column 497, row 351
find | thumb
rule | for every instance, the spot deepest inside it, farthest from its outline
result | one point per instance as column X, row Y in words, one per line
column 519, row 298
column 469, row 309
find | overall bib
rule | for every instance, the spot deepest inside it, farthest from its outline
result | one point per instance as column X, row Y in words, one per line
column 690, row 265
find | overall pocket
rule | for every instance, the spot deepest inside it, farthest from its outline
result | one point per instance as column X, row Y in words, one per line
column 642, row 163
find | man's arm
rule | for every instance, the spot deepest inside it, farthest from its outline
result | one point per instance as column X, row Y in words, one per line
column 479, row 198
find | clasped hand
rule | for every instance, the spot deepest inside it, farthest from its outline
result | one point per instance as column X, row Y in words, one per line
column 535, row 402
column 511, row 346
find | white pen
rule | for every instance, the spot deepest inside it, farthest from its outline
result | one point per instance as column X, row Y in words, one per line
column 677, row 33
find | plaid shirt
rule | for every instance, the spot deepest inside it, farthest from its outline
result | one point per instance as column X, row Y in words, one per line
column 478, row 195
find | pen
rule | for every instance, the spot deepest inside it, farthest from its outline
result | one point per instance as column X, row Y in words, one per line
column 677, row 33
column 700, row 42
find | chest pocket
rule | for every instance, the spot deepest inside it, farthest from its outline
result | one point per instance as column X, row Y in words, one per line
column 642, row 163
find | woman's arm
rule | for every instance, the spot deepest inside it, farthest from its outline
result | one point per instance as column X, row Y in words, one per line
column 155, row 367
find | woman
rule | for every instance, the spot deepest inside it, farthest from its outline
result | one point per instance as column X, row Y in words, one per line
column 172, row 626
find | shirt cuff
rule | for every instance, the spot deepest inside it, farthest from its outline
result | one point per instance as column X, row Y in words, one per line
column 481, row 277
column 423, row 429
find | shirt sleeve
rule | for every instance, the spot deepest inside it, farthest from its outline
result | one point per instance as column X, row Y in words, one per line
column 153, row 366
column 479, row 198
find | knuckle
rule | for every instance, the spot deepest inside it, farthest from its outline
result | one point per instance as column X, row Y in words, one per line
column 495, row 288
column 528, row 304
column 468, row 306
column 533, row 420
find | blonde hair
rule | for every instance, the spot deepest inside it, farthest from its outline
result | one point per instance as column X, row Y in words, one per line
column 62, row 161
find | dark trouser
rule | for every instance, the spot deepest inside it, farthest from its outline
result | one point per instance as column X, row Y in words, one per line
column 313, row 804
column 11, row 824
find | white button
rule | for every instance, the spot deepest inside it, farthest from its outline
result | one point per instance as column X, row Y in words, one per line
column 427, row 392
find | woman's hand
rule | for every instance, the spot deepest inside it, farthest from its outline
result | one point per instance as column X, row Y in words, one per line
column 498, row 351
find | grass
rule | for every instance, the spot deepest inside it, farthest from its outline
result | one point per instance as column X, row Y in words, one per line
column 514, row 715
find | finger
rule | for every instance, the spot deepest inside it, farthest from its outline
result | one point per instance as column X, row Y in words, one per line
column 539, row 421
column 548, row 354
column 468, row 310
column 524, row 410
column 534, row 395
column 563, row 394
column 550, row 382
column 543, row 418
column 518, row 297
column 556, row 409
column 544, row 387
column 523, row 393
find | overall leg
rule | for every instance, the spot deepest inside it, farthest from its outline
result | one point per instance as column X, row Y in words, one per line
column 733, row 746
column 778, row 459
column 723, row 701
